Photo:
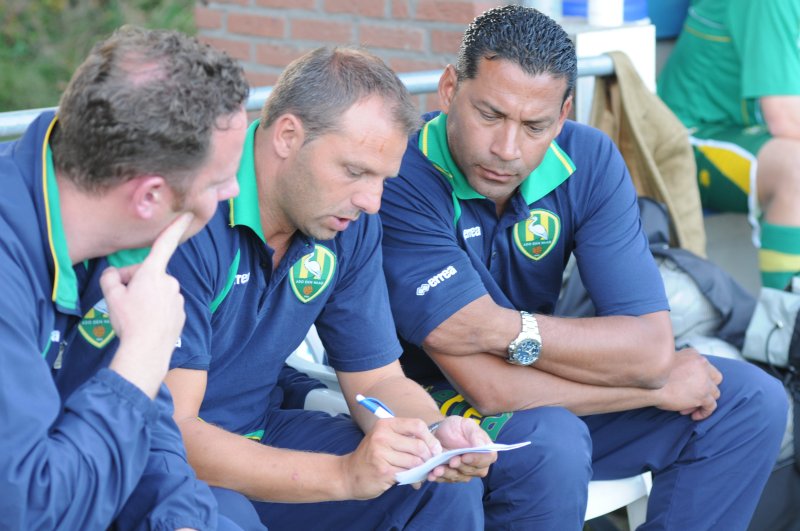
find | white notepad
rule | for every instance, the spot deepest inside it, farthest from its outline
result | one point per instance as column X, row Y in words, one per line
column 419, row 473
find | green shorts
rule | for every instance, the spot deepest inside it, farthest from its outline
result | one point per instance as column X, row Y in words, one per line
column 726, row 166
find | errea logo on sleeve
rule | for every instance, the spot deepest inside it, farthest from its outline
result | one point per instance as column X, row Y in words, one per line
column 435, row 280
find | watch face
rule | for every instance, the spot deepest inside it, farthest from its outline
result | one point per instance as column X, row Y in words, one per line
column 527, row 352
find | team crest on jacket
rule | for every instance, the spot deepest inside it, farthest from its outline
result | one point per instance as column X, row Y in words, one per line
column 311, row 274
column 537, row 235
column 95, row 327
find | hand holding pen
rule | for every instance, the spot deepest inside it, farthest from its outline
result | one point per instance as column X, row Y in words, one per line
column 460, row 433
column 389, row 446
column 431, row 446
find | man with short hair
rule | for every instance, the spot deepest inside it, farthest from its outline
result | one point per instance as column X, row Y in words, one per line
column 294, row 250
column 143, row 146
column 494, row 195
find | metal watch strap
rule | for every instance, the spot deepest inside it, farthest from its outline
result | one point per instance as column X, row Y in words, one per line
column 530, row 328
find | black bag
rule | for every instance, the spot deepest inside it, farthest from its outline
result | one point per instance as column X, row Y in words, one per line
column 779, row 506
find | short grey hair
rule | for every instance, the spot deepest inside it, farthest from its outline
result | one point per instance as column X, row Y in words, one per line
column 322, row 85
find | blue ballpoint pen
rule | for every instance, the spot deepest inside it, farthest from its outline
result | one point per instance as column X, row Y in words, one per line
column 378, row 408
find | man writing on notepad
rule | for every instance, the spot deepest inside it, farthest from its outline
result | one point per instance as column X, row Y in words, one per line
column 299, row 246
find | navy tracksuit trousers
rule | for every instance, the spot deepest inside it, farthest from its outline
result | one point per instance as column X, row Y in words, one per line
column 707, row 475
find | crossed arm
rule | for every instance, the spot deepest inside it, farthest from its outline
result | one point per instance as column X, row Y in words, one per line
column 588, row 365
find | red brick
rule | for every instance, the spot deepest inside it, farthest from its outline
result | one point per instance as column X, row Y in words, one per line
column 451, row 11
column 277, row 54
column 257, row 25
column 287, row 4
column 261, row 79
column 445, row 41
column 322, row 30
column 237, row 2
column 236, row 49
column 207, row 18
column 400, row 64
column 400, row 9
column 364, row 8
column 388, row 37
column 428, row 102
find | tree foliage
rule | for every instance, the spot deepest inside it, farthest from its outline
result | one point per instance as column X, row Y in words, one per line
column 43, row 41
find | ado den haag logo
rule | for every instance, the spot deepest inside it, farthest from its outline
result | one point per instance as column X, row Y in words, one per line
column 537, row 235
column 311, row 274
column 95, row 327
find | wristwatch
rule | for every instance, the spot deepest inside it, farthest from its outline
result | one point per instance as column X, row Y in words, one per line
column 524, row 350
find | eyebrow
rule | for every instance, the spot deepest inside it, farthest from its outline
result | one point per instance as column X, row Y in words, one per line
column 540, row 122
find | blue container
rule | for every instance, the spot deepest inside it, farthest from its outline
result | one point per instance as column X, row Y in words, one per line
column 667, row 16
column 634, row 9
column 574, row 8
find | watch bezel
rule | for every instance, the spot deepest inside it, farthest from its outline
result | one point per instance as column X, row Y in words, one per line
column 526, row 352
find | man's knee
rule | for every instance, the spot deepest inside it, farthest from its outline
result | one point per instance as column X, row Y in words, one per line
column 778, row 169
column 560, row 448
column 454, row 505
column 754, row 394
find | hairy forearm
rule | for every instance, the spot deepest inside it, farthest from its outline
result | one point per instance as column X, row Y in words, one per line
column 261, row 472
column 620, row 351
column 480, row 326
column 493, row 386
column 403, row 396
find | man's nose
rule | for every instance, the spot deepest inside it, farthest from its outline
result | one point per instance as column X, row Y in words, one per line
column 505, row 144
column 368, row 198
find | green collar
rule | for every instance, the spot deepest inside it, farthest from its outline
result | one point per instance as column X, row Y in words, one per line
column 128, row 257
column 555, row 168
column 244, row 207
column 65, row 282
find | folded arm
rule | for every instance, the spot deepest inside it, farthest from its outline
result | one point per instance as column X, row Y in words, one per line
column 590, row 365
column 597, row 350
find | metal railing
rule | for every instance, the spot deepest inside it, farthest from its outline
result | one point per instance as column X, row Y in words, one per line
column 14, row 123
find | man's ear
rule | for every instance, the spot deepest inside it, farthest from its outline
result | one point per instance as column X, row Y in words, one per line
column 448, row 84
column 288, row 134
column 149, row 194
column 566, row 108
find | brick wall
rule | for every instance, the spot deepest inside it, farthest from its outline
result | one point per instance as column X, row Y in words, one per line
column 409, row 35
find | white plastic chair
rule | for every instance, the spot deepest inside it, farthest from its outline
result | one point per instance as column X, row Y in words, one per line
column 604, row 496
column 631, row 493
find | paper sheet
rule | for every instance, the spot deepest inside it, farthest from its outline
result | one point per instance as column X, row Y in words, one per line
column 420, row 472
